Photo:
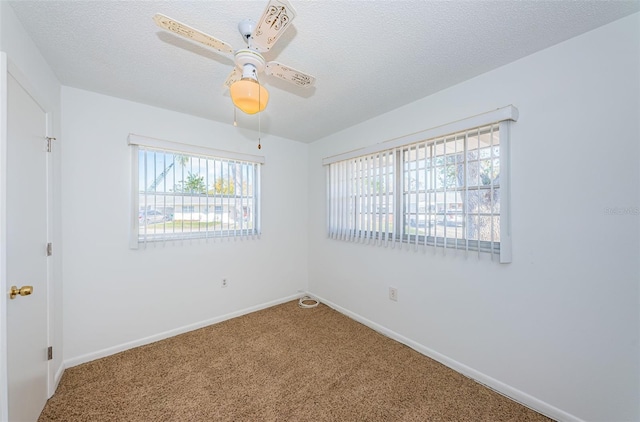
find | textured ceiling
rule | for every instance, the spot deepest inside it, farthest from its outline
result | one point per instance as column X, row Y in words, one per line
column 369, row 57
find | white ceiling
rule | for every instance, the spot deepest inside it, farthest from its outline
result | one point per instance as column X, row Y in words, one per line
column 369, row 57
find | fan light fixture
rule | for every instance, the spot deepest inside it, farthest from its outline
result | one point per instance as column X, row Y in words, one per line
column 249, row 96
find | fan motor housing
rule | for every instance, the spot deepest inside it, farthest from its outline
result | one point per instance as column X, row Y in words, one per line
column 246, row 56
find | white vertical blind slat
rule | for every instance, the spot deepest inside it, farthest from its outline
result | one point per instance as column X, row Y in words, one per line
column 389, row 201
column 145, row 197
column 237, row 200
column 363, row 199
column 426, row 215
column 416, row 185
column 338, row 213
column 343, row 198
column 379, row 188
column 367, row 206
column 410, row 203
column 135, row 198
column 456, row 177
column 360, row 200
column 492, row 199
column 257, row 197
column 370, row 191
column 353, row 204
column 155, row 190
column 386, row 198
column 250, row 201
column 397, row 186
column 341, row 211
column 228, row 222
column 466, row 191
column 445, row 194
column 478, row 224
column 328, row 203
column 346, row 201
column 433, row 198
column 206, row 184
column 340, row 208
column 335, row 203
column 372, row 202
column 346, row 198
column 170, row 230
column 356, row 200
column 243, row 166
column 505, row 192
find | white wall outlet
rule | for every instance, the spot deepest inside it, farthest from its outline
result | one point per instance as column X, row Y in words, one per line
column 393, row 294
column 224, row 282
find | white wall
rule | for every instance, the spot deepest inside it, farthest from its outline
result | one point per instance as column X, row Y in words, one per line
column 24, row 56
column 558, row 327
column 116, row 297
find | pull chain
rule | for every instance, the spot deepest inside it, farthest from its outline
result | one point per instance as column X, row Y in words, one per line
column 259, row 113
column 235, row 120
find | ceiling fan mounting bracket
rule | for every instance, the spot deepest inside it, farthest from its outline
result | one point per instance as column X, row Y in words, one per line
column 246, row 27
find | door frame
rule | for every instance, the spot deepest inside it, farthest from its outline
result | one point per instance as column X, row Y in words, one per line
column 8, row 68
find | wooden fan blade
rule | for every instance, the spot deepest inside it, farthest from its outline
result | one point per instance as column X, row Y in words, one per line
column 289, row 74
column 276, row 18
column 186, row 31
column 235, row 75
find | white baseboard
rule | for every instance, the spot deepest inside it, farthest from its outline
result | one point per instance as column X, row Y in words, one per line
column 56, row 379
column 161, row 336
column 492, row 383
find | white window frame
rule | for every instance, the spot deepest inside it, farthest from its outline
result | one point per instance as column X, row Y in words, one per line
column 501, row 117
column 137, row 141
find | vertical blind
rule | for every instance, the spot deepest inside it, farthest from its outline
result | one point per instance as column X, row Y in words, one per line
column 445, row 192
column 362, row 199
column 184, row 192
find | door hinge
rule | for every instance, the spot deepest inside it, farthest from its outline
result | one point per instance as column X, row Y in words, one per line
column 50, row 353
column 49, row 249
column 50, row 143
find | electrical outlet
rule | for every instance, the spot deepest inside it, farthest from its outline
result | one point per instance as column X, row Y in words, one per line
column 224, row 282
column 393, row 294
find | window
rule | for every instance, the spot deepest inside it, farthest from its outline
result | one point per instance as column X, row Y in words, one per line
column 187, row 192
column 444, row 191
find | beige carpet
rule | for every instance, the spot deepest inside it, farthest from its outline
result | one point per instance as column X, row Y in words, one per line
column 279, row 364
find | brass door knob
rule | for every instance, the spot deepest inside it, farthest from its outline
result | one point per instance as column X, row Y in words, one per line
column 22, row 291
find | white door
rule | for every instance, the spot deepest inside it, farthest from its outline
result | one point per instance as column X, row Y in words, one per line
column 26, row 211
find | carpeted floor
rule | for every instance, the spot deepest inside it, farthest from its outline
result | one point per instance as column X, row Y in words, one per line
column 279, row 364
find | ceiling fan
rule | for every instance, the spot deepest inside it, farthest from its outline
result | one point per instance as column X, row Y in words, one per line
column 246, row 92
